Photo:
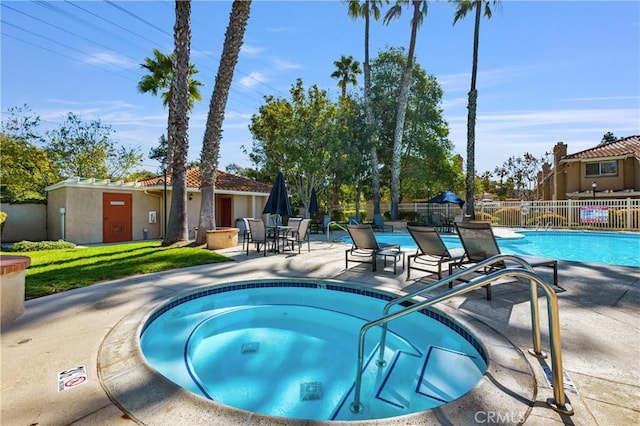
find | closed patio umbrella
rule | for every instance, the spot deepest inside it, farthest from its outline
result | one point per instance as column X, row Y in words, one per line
column 278, row 201
column 313, row 202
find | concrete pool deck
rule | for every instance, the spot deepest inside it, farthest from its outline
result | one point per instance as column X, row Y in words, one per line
column 599, row 321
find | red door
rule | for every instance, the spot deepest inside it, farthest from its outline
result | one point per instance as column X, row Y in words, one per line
column 225, row 216
column 116, row 217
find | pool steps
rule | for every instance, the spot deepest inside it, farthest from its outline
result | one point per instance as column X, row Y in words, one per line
column 387, row 393
column 559, row 402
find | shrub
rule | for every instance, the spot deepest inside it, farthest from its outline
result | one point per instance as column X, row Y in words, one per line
column 507, row 215
column 345, row 214
column 410, row 215
column 338, row 215
column 3, row 217
column 547, row 219
column 621, row 218
column 487, row 216
column 41, row 245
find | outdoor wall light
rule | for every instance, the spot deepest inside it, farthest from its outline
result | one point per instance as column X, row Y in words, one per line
column 190, row 197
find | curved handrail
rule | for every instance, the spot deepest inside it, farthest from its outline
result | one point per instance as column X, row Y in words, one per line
column 329, row 228
column 559, row 402
column 535, row 326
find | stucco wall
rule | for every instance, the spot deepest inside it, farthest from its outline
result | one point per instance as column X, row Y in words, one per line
column 143, row 203
column 241, row 206
column 24, row 222
column 55, row 200
column 83, row 214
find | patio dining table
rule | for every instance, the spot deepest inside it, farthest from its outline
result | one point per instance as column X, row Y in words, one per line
column 277, row 232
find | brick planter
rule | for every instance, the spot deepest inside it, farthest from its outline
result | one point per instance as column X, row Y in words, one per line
column 221, row 238
column 12, row 286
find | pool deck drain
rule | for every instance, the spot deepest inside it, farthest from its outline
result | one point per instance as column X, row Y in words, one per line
column 600, row 335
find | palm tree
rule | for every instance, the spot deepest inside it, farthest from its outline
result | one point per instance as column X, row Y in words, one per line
column 419, row 11
column 233, row 40
column 346, row 71
column 462, row 8
column 179, row 124
column 366, row 10
column 159, row 78
column 160, row 75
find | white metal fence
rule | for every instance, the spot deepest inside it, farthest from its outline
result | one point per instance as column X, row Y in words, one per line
column 614, row 214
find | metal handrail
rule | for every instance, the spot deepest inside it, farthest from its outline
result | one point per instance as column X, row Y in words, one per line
column 535, row 326
column 329, row 228
column 558, row 402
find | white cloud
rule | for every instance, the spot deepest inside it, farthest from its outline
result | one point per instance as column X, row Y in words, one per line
column 461, row 81
column 500, row 135
column 234, row 115
column 280, row 64
column 599, row 99
column 106, row 58
column 276, row 29
column 251, row 50
column 253, row 79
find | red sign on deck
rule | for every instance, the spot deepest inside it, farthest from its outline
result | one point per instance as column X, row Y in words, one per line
column 72, row 377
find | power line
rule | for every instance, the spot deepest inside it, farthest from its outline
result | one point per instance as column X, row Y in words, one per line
column 138, row 18
column 62, row 54
column 113, row 23
column 234, row 95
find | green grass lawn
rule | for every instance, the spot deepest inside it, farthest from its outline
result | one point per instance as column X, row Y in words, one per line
column 54, row 271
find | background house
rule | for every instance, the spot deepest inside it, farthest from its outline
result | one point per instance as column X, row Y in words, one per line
column 606, row 171
column 86, row 211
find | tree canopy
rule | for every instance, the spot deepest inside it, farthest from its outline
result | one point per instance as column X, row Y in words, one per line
column 315, row 140
column 33, row 159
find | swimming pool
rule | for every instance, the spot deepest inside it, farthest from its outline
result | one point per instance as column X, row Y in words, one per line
column 591, row 247
column 288, row 349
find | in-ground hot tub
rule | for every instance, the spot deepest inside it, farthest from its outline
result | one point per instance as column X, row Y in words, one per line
column 264, row 350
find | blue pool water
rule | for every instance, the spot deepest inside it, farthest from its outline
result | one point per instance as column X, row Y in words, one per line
column 592, row 247
column 289, row 349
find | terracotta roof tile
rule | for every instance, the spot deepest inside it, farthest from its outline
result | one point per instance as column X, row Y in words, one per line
column 629, row 147
column 224, row 181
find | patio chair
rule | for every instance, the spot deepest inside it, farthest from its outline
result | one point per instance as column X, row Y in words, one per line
column 257, row 235
column 243, row 225
column 300, row 235
column 365, row 248
column 480, row 244
column 378, row 223
column 293, row 225
column 431, row 252
column 353, row 220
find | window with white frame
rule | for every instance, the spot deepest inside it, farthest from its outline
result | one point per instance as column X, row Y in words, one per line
column 602, row 168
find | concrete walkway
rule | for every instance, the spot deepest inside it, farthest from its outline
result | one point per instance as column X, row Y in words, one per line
column 599, row 315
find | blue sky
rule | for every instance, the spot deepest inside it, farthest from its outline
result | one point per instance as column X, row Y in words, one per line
column 549, row 71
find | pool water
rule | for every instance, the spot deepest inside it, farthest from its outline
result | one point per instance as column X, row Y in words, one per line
column 292, row 352
column 590, row 247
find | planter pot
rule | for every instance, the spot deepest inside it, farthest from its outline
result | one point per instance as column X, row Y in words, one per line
column 12, row 269
column 221, row 238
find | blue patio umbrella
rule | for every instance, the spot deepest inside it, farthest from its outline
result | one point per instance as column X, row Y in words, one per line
column 313, row 202
column 278, row 201
column 447, row 197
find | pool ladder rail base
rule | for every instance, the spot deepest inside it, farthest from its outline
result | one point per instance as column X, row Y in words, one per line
column 558, row 403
